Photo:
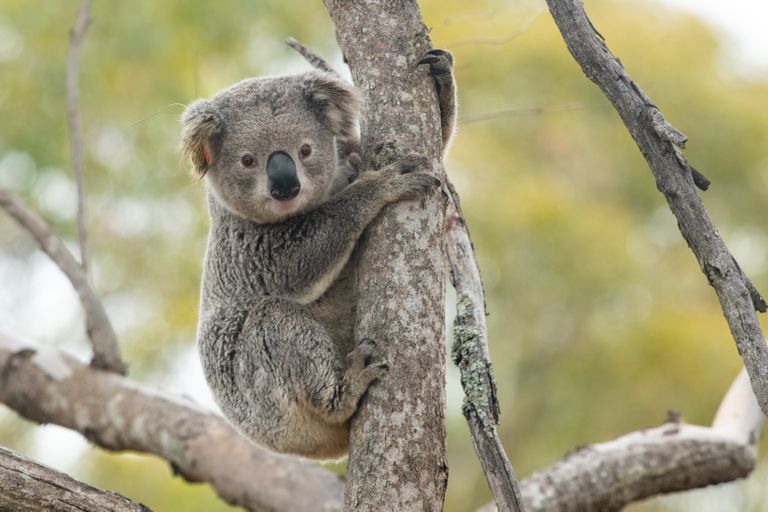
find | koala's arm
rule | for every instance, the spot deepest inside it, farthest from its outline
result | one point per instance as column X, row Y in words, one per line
column 302, row 256
column 441, row 68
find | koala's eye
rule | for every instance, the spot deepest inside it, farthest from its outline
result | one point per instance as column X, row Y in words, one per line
column 248, row 160
column 305, row 151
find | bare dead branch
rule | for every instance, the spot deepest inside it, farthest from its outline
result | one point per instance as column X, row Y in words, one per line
column 660, row 144
column 106, row 351
column 29, row 486
column 674, row 457
column 397, row 445
column 606, row 477
column 49, row 386
column 470, row 353
column 73, row 64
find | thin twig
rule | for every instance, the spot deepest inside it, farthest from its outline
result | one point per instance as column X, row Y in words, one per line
column 529, row 111
column 471, row 355
column 498, row 41
column 313, row 58
column 73, row 93
column 106, row 352
column 660, row 144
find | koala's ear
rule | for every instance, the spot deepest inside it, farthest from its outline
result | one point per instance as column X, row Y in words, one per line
column 201, row 124
column 335, row 103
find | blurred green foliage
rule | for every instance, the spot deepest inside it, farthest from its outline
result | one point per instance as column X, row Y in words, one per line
column 600, row 320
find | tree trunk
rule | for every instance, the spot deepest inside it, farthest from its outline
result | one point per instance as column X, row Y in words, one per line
column 397, row 454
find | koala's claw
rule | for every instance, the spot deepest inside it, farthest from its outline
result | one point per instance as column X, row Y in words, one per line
column 361, row 357
column 368, row 342
column 420, row 183
column 375, row 371
column 440, row 62
column 365, row 364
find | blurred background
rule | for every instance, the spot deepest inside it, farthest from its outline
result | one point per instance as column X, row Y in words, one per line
column 600, row 319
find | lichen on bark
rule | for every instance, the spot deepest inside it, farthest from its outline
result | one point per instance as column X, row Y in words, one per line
column 477, row 378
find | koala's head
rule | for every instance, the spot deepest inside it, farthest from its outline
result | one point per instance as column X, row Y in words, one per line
column 267, row 146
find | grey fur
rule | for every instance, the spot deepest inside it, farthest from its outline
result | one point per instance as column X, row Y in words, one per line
column 278, row 298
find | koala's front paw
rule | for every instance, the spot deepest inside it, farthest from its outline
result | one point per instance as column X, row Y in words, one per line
column 414, row 185
column 407, row 178
column 440, row 63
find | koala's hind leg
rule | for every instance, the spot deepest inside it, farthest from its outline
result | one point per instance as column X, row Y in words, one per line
column 441, row 68
column 322, row 387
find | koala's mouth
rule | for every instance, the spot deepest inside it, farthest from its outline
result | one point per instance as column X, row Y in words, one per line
column 286, row 203
column 289, row 205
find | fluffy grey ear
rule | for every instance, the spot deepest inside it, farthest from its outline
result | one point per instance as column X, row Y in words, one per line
column 201, row 125
column 335, row 103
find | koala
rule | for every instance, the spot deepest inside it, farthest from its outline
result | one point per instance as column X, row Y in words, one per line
column 277, row 303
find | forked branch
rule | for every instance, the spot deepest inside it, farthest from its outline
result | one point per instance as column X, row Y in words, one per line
column 106, row 352
column 48, row 386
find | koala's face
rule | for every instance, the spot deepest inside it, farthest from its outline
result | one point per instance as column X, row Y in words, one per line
column 268, row 146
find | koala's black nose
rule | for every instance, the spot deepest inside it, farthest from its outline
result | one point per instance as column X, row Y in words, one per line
column 283, row 182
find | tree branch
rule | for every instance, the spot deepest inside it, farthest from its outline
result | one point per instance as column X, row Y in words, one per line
column 470, row 353
column 397, row 446
column 677, row 456
column 661, row 144
column 73, row 64
column 29, row 486
column 48, row 386
column 106, row 352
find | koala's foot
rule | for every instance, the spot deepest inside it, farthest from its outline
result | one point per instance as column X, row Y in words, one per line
column 365, row 360
column 440, row 64
column 365, row 366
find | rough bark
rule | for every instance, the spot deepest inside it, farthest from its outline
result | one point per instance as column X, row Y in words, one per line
column 106, row 351
column 661, row 145
column 26, row 486
column 470, row 353
column 397, row 455
column 48, row 386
